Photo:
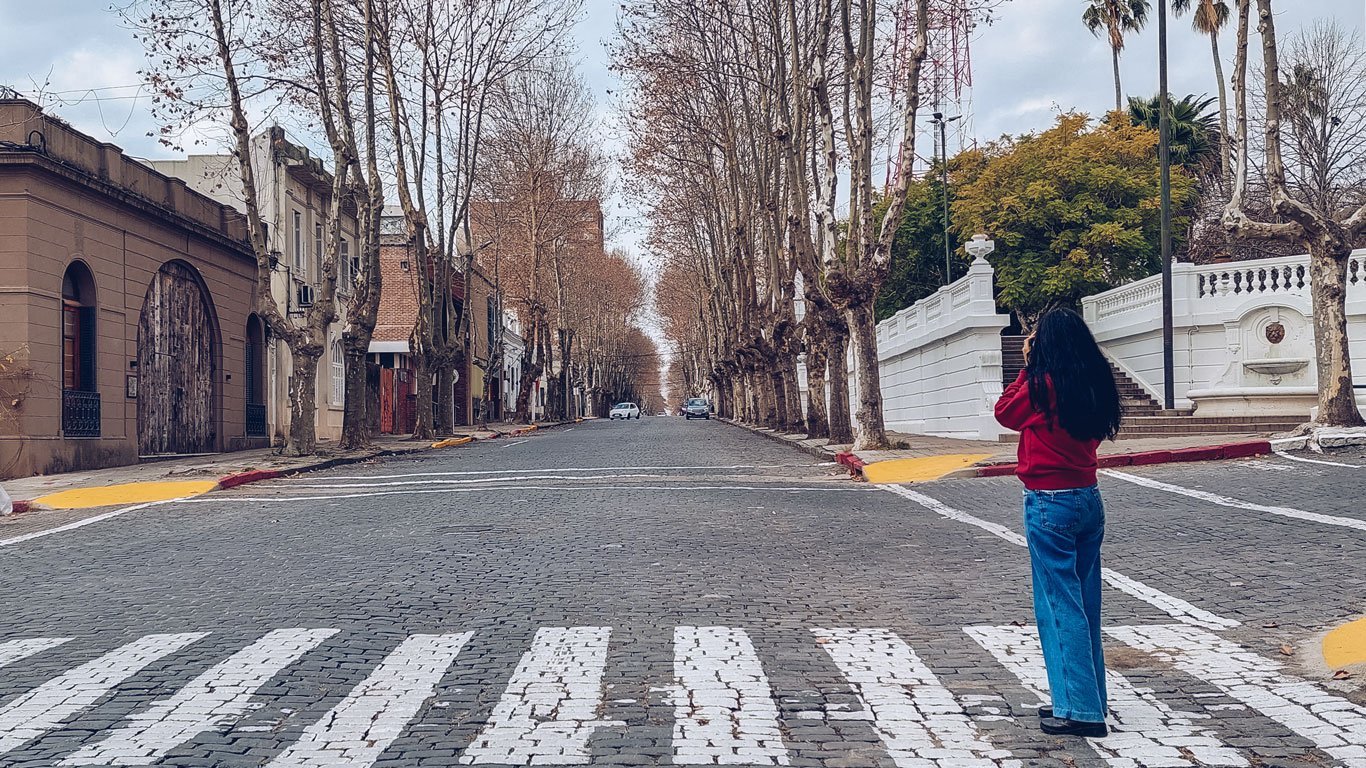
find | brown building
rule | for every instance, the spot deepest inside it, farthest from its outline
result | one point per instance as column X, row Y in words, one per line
column 126, row 300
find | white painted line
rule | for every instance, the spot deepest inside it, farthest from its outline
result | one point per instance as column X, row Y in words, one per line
column 1169, row 604
column 515, row 442
column 358, row 730
column 919, row 720
column 467, row 481
column 83, row 522
column 45, row 707
column 1144, row 731
column 584, row 469
column 549, row 710
column 723, row 705
column 14, row 650
column 833, row 488
column 1333, row 724
column 1226, row 501
column 213, row 701
column 1292, row 457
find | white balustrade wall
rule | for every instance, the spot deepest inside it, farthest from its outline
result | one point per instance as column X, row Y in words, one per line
column 1244, row 338
column 940, row 361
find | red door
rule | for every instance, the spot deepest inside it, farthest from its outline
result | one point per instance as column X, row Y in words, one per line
column 386, row 401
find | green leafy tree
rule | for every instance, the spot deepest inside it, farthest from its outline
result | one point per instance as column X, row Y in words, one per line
column 1075, row 210
column 1115, row 19
column 917, row 267
column 1195, row 133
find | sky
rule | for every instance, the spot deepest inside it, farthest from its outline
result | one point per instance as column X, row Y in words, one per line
column 1035, row 60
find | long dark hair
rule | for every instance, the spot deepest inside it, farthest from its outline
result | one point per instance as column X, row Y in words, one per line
column 1065, row 352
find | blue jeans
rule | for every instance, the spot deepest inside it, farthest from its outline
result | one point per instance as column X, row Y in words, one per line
column 1064, row 530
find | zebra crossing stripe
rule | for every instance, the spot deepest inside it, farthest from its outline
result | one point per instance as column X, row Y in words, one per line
column 15, row 650
column 1226, row 501
column 723, row 705
column 920, row 722
column 212, row 701
column 1145, row 731
column 45, row 707
column 1335, row 725
column 549, row 710
column 356, row 732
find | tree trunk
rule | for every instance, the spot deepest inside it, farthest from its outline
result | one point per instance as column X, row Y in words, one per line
column 422, row 391
column 303, row 400
column 792, row 386
column 817, row 414
column 1119, row 91
column 872, row 434
column 1337, row 399
column 841, row 430
column 356, row 406
column 1225, row 156
column 445, row 399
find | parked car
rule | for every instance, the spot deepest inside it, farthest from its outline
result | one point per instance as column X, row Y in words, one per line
column 625, row 411
column 697, row 408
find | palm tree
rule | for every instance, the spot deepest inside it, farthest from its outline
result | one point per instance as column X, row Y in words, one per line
column 1210, row 17
column 1115, row 18
column 1195, row 132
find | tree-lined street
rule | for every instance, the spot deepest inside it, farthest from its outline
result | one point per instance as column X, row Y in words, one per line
column 674, row 592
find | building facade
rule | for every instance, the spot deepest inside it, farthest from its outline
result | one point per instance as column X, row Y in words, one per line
column 127, row 300
column 295, row 193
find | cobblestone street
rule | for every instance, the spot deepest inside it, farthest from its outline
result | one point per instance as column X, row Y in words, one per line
column 665, row 591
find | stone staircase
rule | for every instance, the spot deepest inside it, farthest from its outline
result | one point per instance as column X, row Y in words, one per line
column 1145, row 417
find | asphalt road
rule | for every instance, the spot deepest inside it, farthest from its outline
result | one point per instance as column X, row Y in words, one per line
column 663, row 592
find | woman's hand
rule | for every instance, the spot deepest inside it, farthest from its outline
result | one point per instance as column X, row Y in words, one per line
column 1028, row 346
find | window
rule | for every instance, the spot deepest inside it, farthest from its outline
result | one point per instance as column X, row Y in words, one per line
column 338, row 373
column 78, row 329
column 318, row 247
column 493, row 324
column 299, row 260
column 347, row 267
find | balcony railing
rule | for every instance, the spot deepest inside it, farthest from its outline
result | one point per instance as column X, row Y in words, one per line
column 256, row 420
column 80, row 413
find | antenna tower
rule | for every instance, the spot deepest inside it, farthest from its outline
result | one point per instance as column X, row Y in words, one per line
column 945, row 77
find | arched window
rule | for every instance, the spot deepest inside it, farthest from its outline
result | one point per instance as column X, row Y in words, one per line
column 80, row 398
column 338, row 373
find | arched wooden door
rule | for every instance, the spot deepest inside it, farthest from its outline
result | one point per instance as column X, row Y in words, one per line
column 176, row 365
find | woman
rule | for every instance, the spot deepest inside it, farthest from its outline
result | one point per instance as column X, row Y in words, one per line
column 1063, row 404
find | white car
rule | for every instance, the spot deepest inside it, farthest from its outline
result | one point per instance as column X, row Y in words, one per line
column 625, row 411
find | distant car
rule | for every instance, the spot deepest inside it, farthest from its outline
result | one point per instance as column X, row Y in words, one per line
column 697, row 408
column 625, row 411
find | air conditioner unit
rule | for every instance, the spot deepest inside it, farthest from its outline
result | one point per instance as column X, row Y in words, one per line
column 305, row 296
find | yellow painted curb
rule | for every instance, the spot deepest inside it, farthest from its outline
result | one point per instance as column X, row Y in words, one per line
column 1345, row 645
column 127, row 493
column 450, row 441
column 919, row 470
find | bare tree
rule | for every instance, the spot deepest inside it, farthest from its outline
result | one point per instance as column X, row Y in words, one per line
column 212, row 61
column 1314, row 146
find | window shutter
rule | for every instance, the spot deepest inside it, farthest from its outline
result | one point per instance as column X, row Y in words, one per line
column 86, row 370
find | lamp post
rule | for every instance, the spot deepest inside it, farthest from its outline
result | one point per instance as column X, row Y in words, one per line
column 1165, row 161
column 943, row 123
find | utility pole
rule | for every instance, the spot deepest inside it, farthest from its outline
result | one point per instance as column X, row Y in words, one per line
column 943, row 124
column 1165, row 160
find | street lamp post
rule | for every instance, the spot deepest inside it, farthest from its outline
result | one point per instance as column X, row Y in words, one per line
column 943, row 123
column 1165, row 161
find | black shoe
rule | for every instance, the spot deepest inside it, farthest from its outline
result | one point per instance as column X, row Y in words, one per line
column 1045, row 712
column 1061, row 726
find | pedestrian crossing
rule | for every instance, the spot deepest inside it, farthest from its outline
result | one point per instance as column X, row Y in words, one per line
column 725, row 709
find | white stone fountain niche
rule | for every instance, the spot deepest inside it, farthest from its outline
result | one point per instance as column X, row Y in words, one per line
column 1270, row 366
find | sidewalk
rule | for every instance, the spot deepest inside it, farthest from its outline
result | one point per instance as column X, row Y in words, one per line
column 927, row 457
column 192, row 475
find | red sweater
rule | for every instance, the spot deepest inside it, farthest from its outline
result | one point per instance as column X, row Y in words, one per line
column 1050, row 459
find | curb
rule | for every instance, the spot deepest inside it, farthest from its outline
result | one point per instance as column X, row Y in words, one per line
column 1144, row 458
column 853, row 462
column 809, row 450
